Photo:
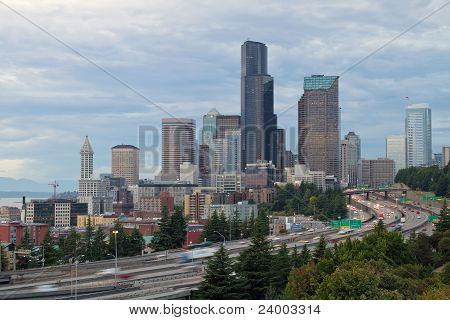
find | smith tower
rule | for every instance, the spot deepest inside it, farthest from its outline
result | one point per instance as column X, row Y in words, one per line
column 258, row 121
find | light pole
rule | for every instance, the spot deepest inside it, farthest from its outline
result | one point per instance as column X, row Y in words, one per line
column 115, row 232
column 221, row 236
column 76, row 278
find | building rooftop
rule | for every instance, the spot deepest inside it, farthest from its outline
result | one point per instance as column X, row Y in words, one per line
column 319, row 82
column 125, row 146
column 86, row 147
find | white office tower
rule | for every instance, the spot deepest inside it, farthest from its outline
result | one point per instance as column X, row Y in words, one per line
column 396, row 150
column 418, row 135
column 87, row 160
column 92, row 191
column 189, row 172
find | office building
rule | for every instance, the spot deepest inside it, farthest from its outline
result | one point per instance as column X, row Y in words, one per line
column 194, row 205
column 290, row 159
column 229, row 182
column 258, row 121
column 280, row 153
column 418, row 135
column 445, row 156
column 13, row 232
column 125, row 163
column 377, row 173
column 227, row 123
column 396, row 150
column 300, row 173
column 260, row 175
column 204, row 166
column 244, row 209
column 178, row 136
column 353, row 157
column 54, row 212
column 232, row 151
column 189, row 172
column 344, row 163
column 319, row 125
column 209, row 129
column 87, row 160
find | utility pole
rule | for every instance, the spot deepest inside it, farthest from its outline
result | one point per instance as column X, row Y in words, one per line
column 115, row 232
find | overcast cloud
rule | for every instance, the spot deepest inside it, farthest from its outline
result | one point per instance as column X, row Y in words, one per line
column 185, row 56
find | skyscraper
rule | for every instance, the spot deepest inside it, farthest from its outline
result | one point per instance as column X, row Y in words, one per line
column 418, row 135
column 125, row 163
column 232, row 155
column 87, row 160
column 178, row 136
column 281, row 153
column 258, row 121
column 209, row 129
column 396, row 150
column 353, row 157
column 445, row 156
column 226, row 123
column 319, row 125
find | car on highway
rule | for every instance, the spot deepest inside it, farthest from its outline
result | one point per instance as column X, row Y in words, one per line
column 418, row 217
column 311, row 230
column 46, row 288
column 242, row 242
column 108, row 271
column 316, row 238
column 303, row 241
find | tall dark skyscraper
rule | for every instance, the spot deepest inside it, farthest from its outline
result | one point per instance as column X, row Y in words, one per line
column 258, row 121
column 319, row 125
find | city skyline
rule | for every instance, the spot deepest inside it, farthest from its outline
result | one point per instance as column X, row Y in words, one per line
column 56, row 121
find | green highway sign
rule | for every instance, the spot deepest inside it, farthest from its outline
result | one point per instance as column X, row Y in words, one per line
column 346, row 224
column 433, row 217
column 427, row 198
column 403, row 199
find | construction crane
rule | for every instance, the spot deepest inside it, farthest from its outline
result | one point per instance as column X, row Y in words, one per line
column 54, row 184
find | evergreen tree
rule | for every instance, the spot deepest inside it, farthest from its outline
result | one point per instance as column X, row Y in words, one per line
column 178, row 227
column 379, row 227
column 88, row 241
column 254, row 266
column 163, row 237
column 137, row 243
column 72, row 248
column 320, row 249
column 262, row 223
column 224, row 225
column 219, row 282
column 444, row 218
column 305, row 255
column 236, row 226
column 295, row 258
column 99, row 246
column 211, row 228
column 26, row 241
column 49, row 252
column 123, row 241
column 302, row 283
column 280, row 268
column 24, row 261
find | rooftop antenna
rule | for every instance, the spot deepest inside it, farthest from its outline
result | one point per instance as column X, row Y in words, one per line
column 54, row 184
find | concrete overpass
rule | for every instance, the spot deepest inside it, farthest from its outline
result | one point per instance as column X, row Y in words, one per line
column 367, row 192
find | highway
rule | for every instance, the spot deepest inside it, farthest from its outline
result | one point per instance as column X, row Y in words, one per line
column 160, row 275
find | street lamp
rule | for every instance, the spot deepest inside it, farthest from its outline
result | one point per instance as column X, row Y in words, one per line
column 115, row 232
column 221, row 236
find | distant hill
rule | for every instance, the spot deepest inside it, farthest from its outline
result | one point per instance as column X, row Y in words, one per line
column 27, row 185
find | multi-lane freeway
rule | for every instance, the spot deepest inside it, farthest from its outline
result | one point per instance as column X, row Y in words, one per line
column 162, row 276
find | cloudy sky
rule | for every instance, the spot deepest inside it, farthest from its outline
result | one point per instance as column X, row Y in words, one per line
column 185, row 57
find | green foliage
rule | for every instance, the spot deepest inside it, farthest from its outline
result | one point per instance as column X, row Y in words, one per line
column 178, row 226
column 280, row 268
column 123, row 241
column 72, row 247
column 320, row 249
column 136, row 243
column 254, row 266
column 88, row 241
column 4, row 263
column 220, row 281
column 99, row 245
column 236, row 227
column 163, row 237
column 307, row 199
column 302, row 283
column 426, row 179
column 444, row 218
column 50, row 253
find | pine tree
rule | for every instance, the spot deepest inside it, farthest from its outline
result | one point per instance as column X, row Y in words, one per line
column 220, row 281
column 99, row 246
column 163, row 237
column 122, row 241
column 254, row 266
column 444, row 218
column 211, row 228
column 295, row 258
column 320, row 249
column 178, row 227
column 224, row 225
column 236, row 226
column 88, row 241
column 262, row 223
column 137, row 243
column 72, row 248
column 24, row 261
column 280, row 268
column 305, row 255
column 380, row 227
column 26, row 241
column 49, row 252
